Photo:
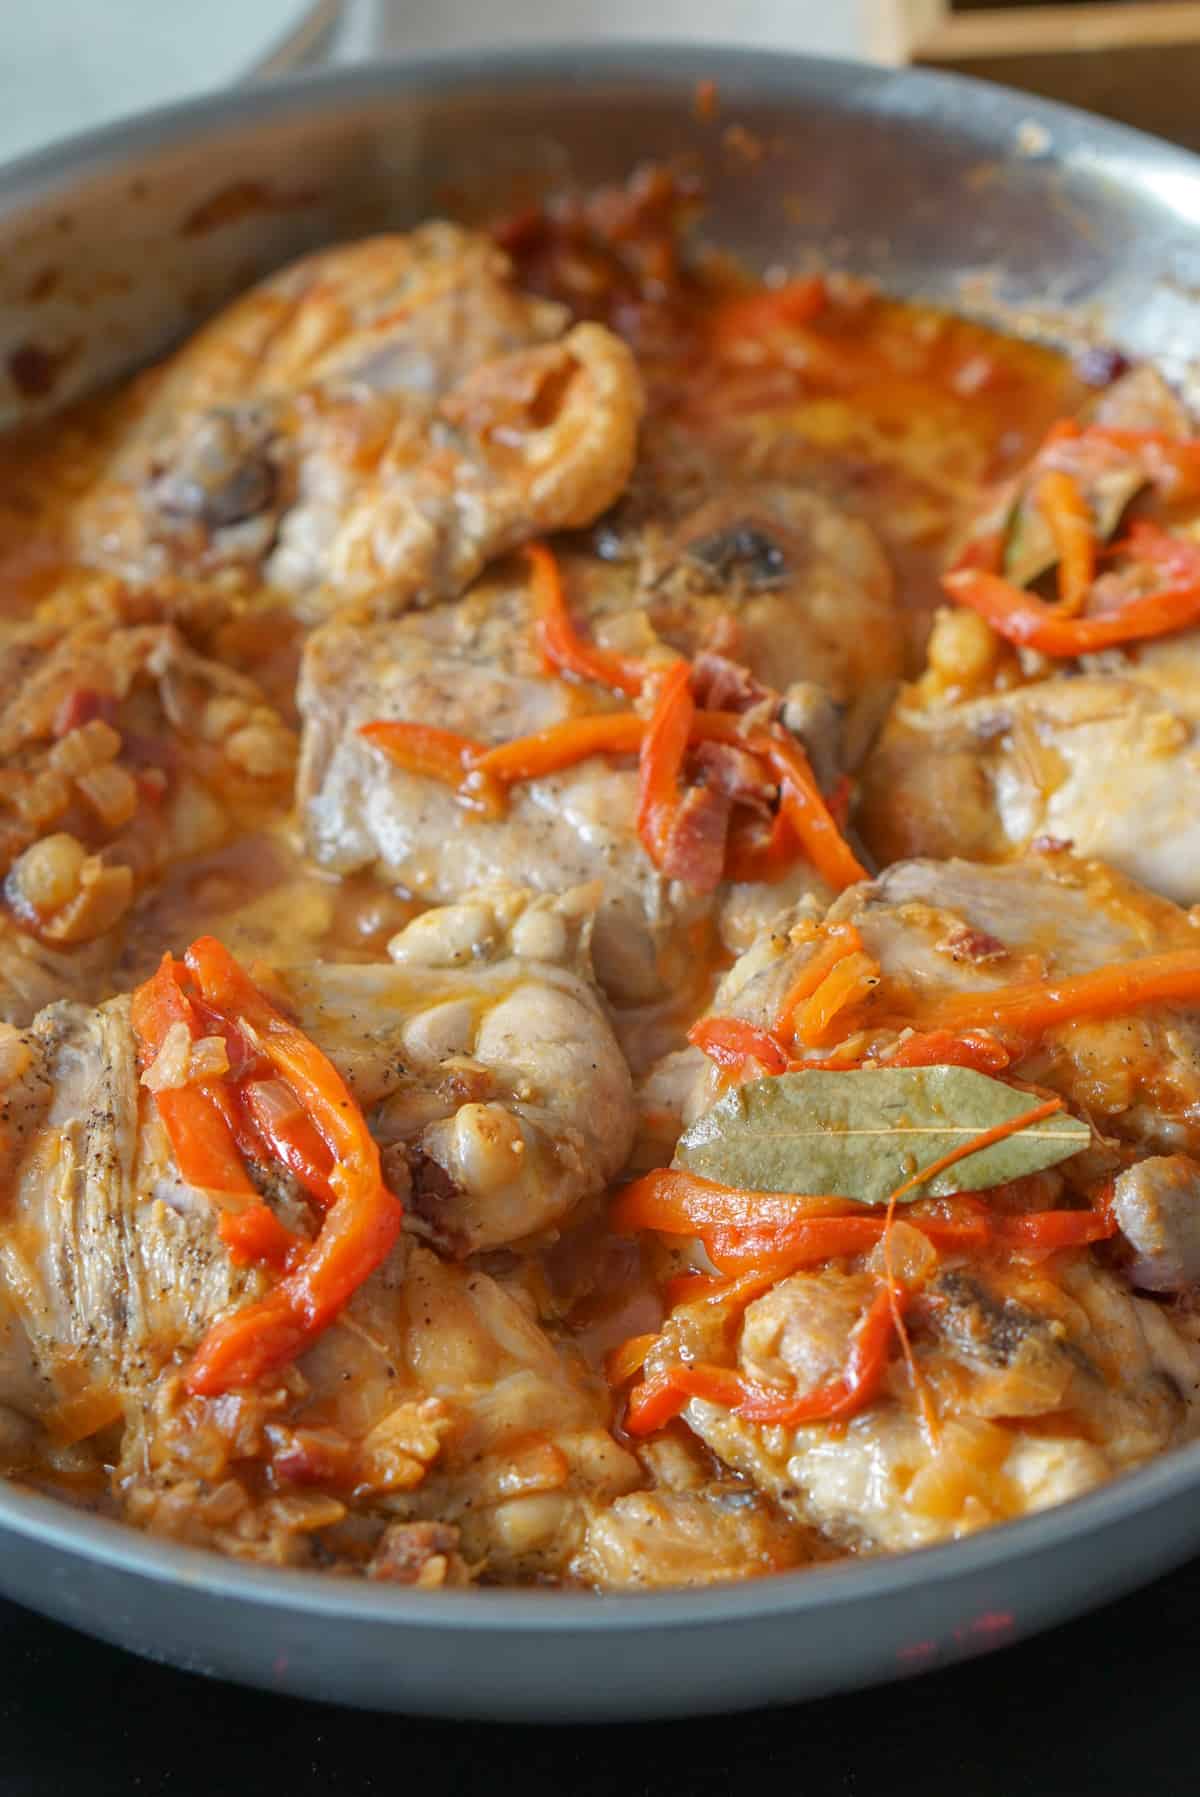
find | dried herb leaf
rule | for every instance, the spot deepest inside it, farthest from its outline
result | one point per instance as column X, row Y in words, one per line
column 1029, row 547
column 860, row 1135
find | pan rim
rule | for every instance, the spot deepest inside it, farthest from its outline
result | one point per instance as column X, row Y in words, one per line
column 119, row 1547
column 655, row 65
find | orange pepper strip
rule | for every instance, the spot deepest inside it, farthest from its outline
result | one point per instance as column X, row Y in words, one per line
column 1066, row 512
column 257, row 1235
column 681, row 1203
column 847, row 984
column 840, row 940
column 563, row 649
column 1048, row 1231
column 1034, row 1006
column 664, row 749
column 627, row 1360
column 561, row 745
column 760, row 856
column 731, row 1042
column 663, row 1396
column 436, row 754
column 360, row 1227
column 1027, row 620
column 742, row 1228
column 423, row 748
column 687, row 1288
column 198, row 1119
column 942, row 1048
column 289, row 1136
column 801, row 803
column 750, row 315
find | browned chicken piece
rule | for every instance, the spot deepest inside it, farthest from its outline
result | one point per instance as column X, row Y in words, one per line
column 694, row 1525
column 109, row 1261
column 371, row 426
column 473, row 667
column 986, row 755
column 487, row 1068
column 952, row 926
column 439, row 1400
column 653, row 1540
column 1103, row 758
column 798, row 588
column 121, row 752
column 1043, row 1388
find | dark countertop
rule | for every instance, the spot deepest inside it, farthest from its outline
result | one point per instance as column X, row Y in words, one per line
column 1104, row 1706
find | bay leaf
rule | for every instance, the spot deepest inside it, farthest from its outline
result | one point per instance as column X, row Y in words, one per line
column 861, row 1134
column 1029, row 547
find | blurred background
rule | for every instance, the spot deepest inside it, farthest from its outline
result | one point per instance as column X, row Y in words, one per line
column 69, row 64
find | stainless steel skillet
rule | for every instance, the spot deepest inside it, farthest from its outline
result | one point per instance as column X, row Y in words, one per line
column 114, row 244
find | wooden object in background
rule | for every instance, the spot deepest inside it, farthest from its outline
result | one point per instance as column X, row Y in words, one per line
column 1133, row 60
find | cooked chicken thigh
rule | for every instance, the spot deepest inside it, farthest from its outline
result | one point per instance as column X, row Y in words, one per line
column 653, row 1540
column 110, row 1261
column 1046, row 1389
column 474, row 668
column 797, row 587
column 987, row 755
column 370, row 426
column 942, row 928
column 1104, row 759
column 488, row 1070
column 472, row 1444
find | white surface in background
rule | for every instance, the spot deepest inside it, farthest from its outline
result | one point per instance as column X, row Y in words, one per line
column 69, row 64
column 865, row 28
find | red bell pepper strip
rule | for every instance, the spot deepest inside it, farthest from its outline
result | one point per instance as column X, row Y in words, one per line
column 660, row 764
column 273, row 1110
column 436, row 754
column 361, row 1225
column 731, row 1042
column 1025, row 619
column 942, row 1048
column 558, row 746
column 256, row 1235
column 1069, row 517
column 198, row 1119
column 664, row 1394
column 562, row 647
